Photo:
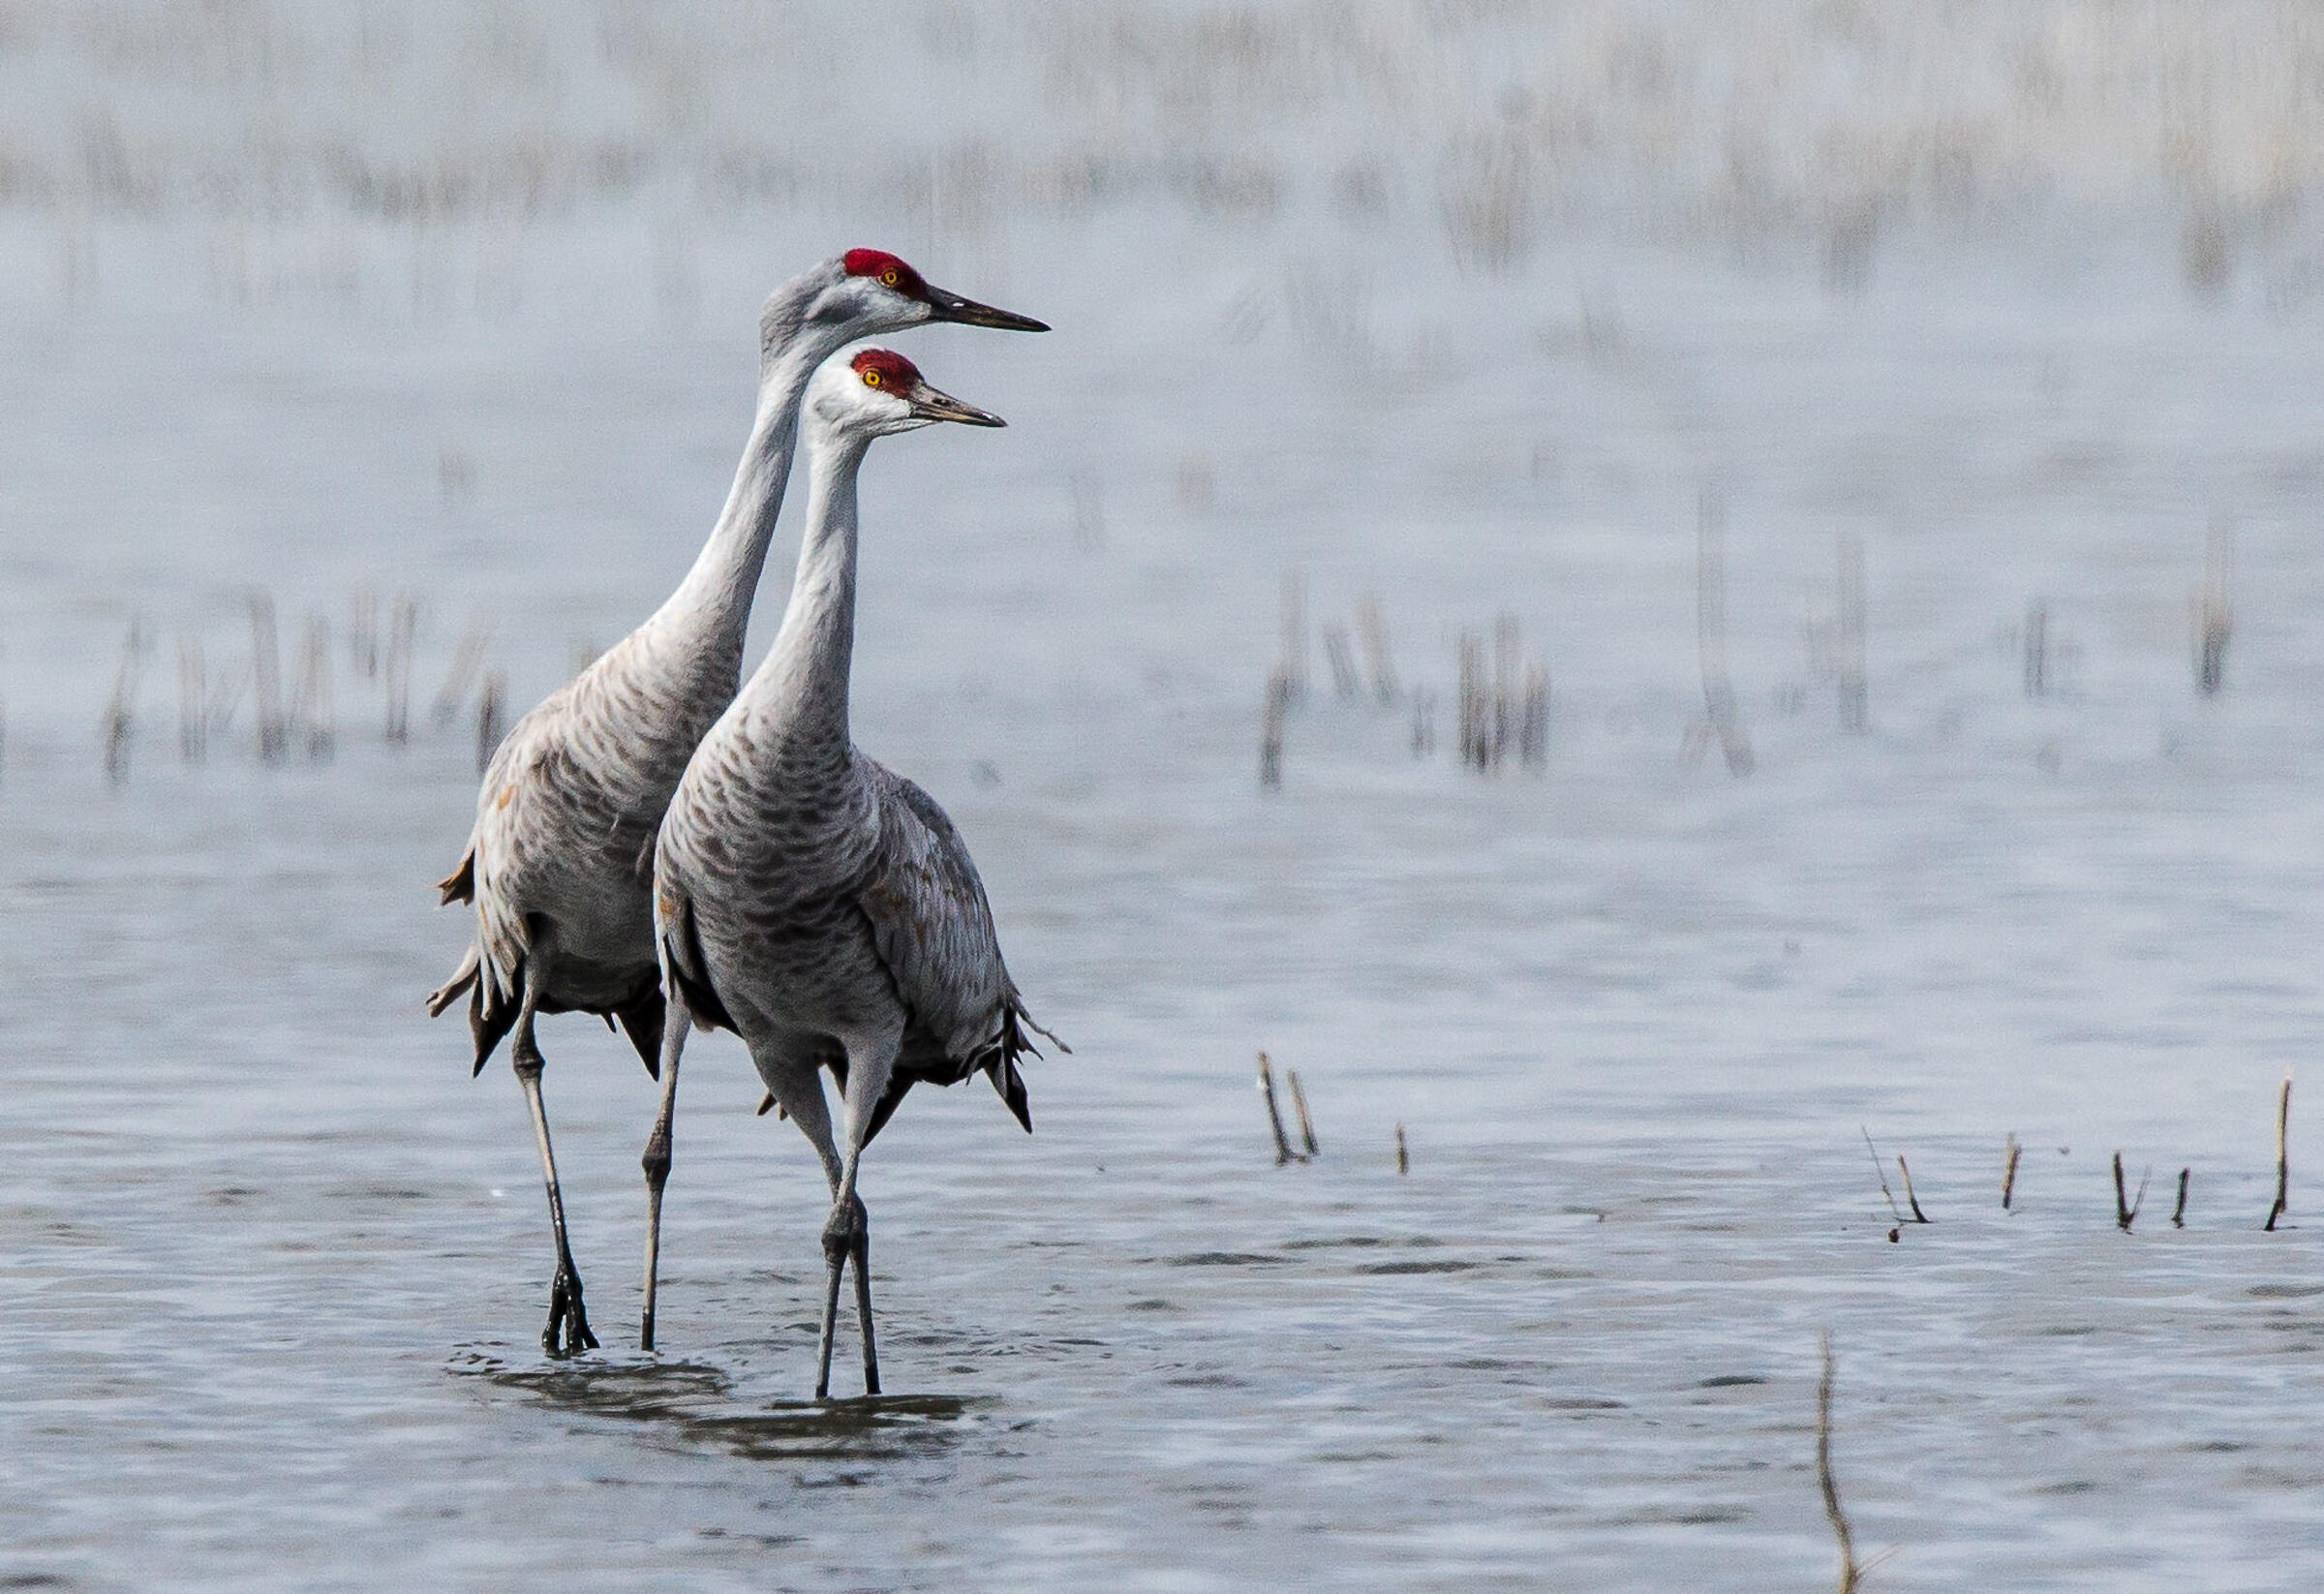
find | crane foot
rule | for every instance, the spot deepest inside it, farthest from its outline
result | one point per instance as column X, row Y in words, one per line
column 568, row 1332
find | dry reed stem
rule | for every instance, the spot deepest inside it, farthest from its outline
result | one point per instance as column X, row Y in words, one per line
column 1710, row 637
column 119, row 712
column 267, row 677
column 1298, row 1103
column 402, row 623
column 311, row 702
column 1295, row 633
column 1270, row 731
column 1854, row 719
column 2214, row 620
column 2126, row 1213
column 1851, row 1574
column 1424, row 722
column 2038, row 649
column 468, row 660
column 1911, row 1200
column 2179, row 1210
column 1403, row 1158
column 192, row 702
column 2010, row 1150
column 2284, row 1165
column 490, row 715
column 1880, row 1173
column 1346, row 684
column 1372, row 630
column 1533, row 725
column 1275, row 1115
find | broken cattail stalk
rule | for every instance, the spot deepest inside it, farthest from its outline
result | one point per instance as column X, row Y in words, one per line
column 363, row 633
column 1533, row 727
column 2009, row 1151
column 192, row 702
column 1403, row 1159
column 468, row 658
column 2284, row 1165
column 1710, row 637
column 1505, row 684
column 267, row 677
column 2214, row 621
column 2179, row 1209
column 1372, row 630
column 1911, row 1200
column 1298, row 1103
column 402, row 624
column 1851, row 1574
column 119, row 712
column 1275, row 1115
column 1345, row 683
column 311, row 701
column 2126, row 1213
column 1473, row 750
column 1880, row 1172
column 1271, row 734
column 2038, row 649
column 489, row 713
column 1295, row 633
column 1853, row 720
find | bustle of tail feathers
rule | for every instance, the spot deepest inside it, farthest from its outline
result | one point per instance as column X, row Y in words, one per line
column 1000, row 1067
column 687, row 970
column 460, row 885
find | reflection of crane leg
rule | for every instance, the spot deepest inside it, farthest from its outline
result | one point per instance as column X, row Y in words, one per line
column 568, row 1332
column 656, row 1160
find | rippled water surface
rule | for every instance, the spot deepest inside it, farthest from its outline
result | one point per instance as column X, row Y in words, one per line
column 275, row 1266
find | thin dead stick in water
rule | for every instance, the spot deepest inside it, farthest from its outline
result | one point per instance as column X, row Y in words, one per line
column 1403, row 1162
column 2125, row 1213
column 2011, row 1148
column 1275, row 1115
column 1880, row 1172
column 1849, row 1571
column 2284, row 1165
column 2179, row 1211
column 1911, row 1200
column 1298, row 1103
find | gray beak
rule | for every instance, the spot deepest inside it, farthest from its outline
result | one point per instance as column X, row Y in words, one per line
column 928, row 404
column 969, row 313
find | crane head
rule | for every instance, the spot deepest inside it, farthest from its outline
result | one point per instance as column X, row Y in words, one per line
column 889, row 295
column 875, row 392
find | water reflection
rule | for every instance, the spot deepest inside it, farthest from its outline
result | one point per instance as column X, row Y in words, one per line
column 692, row 1405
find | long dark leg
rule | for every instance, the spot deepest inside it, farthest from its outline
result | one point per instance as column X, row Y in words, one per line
column 862, row 1308
column 656, row 1160
column 568, row 1332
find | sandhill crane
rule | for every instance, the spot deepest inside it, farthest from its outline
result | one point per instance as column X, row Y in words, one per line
column 559, row 865
column 820, row 907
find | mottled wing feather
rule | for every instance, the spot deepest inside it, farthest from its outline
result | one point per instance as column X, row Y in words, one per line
column 930, row 923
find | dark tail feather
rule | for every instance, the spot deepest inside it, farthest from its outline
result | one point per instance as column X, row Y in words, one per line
column 460, row 885
column 1002, row 1072
column 488, row 1023
column 682, row 959
column 641, row 1021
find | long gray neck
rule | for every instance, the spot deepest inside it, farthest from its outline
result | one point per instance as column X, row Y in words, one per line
column 801, row 684
column 712, row 605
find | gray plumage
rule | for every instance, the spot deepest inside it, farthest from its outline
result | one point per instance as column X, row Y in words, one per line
column 810, row 898
column 559, row 865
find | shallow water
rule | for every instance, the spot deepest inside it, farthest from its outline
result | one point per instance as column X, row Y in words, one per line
column 276, row 1267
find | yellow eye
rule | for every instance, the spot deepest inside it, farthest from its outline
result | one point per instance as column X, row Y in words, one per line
column 871, row 378
column 890, row 277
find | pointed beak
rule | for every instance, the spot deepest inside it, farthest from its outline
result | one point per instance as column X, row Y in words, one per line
column 950, row 306
column 928, row 404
